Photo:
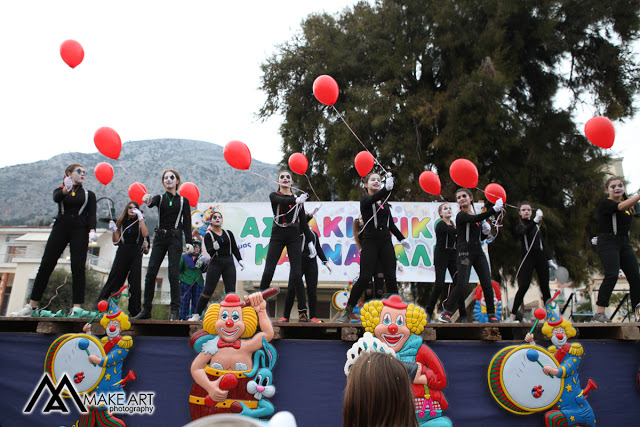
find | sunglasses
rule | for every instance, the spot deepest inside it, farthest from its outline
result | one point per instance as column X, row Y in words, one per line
column 80, row 171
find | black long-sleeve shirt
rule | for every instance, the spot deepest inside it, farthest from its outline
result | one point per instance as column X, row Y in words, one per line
column 168, row 211
column 607, row 210
column 469, row 229
column 375, row 215
column 316, row 243
column 226, row 241
column 445, row 235
column 72, row 202
column 393, row 228
column 527, row 230
column 285, row 213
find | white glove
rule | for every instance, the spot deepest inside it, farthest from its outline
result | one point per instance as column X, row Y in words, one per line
column 199, row 262
column 241, row 264
column 138, row 214
column 405, row 244
column 538, row 216
column 388, row 183
column 552, row 264
column 189, row 248
column 145, row 244
column 302, row 198
column 312, row 250
column 326, row 264
column 146, row 199
column 68, row 183
column 498, row 206
column 93, row 237
column 486, row 228
column 112, row 226
column 594, row 241
column 216, row 245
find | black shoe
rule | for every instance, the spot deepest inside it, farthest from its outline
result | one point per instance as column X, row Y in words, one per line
column 144, row 314
column 175, row 315
column 444, row 317
column 493, row 318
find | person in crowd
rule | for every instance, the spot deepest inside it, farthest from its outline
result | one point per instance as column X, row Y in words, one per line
column 191, row 281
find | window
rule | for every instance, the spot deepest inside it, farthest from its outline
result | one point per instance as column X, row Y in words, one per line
column 14, row 252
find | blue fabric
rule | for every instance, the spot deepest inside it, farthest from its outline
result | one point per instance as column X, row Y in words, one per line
column 309, row 381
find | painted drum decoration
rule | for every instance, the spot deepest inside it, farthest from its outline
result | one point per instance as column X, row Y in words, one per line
column 340, row 300
column 68, row 355
column 518, row 383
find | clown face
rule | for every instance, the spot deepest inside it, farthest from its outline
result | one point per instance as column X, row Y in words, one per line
column 216, row 219
column 230, row 325
column 392, row 329
column 113, row 329
column 78, row 175
column 284, row 179
column 374, row 183
column 169, row 180
column 559, row 337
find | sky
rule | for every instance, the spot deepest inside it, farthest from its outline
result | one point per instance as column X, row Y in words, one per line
column 157, row 69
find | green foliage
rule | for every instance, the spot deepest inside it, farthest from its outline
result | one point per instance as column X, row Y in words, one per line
column 60, row 281
column 424, row 82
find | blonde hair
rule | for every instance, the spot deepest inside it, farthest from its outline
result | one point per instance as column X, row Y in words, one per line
column 547, row 329
column 370, row 316
column 125, row 324
column 249, row 317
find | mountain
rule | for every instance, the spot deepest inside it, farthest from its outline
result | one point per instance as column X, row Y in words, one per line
column 28, row 188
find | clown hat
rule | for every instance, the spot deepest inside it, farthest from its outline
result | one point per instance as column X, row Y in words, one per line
column 231, row 300
column 113, row 311
column 394, row 302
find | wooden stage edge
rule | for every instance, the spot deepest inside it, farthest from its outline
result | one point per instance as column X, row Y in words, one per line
column 327, row 331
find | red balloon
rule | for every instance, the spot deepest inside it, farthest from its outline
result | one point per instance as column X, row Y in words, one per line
column 191, row 192
column 600, row 131
column 237, row 154
column 103, row 305
column 108, row 142
column 539, row 313
column 326, row 90
column 364, row 163
column 72, row 53
column 430, row 182
column 104, row 172
column 136, row 191
column 464, row 173
column 298, row 163
column 494, row 192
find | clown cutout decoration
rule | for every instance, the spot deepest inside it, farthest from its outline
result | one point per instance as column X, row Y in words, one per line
column 480, row 308
column 397, row 326
column 95, row 366
column 525, row 379
column 233, row 372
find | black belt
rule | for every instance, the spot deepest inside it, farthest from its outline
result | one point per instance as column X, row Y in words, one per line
column 165, row 230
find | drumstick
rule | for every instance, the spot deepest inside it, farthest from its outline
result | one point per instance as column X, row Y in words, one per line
column 540, row 314
column 533, row 356
column 265, row 294
column 82, row 345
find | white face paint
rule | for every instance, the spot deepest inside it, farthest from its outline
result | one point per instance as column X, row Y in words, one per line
column 525, row 212
column 616, row 189
column 284, row 179
column 559, row 337
column 374, row 182
column 445, row 212
column 216, row 220
column 78, row 175
column 113, row 329
column 169, row 180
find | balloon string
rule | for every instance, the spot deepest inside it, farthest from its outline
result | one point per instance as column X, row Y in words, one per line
column 314, row 191
column 374, row 214
column 527, row 254
column 56, row 294
column 496, row 196
column 122, row 234
column 354, row 134
column 275, row 182
column 139, row 185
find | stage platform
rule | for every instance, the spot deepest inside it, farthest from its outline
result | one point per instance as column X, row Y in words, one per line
column 309, row 375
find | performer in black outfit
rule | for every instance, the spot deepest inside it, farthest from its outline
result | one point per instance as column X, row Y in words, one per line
column 534, row 257
column 174, row 221
column 444, row 258
column 470, row 254
column 614, row 246
column 222, row 247
column 310, row 273
column 376, row 241
column 129, row 234
column 75, row 226
column 289, row 223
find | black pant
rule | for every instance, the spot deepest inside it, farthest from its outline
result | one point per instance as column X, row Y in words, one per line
column 616, row 253
column 444, row 259
column 290, row 238
column 536, row 260
column 310, row 273
column 74, row 231
column 376, row 249
column 466, row 259
column 218, row 266
column 164, row 242
column 126, row 265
